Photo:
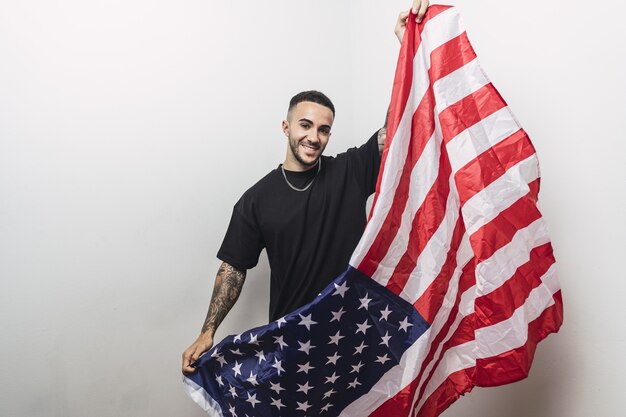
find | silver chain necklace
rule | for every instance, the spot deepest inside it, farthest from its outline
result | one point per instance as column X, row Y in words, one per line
column 319, row 167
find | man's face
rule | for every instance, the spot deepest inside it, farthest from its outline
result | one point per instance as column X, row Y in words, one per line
column 308, row 129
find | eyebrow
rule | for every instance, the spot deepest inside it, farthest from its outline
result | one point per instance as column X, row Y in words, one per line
column 310, row 122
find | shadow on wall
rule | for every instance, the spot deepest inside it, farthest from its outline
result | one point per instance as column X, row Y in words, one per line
column 536, row 396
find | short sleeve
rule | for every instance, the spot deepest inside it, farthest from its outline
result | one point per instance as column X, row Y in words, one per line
column 243, row 242
column 365, row 164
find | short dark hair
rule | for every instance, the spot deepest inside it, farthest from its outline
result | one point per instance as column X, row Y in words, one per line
column 314, row 97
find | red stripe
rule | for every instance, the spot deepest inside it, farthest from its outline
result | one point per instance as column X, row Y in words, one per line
column 402, row 84
column 502, row 369
column 515, row 364
column 457, row 383
column 501, row 303
column 492, row 164
column 499, row 231
column 397, row 405
column 470, row 110
column 422, row 128
column 425, row 223
column 452, row 55
column 429, row 303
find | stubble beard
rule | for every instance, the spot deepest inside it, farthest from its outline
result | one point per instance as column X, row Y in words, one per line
column 294, row 145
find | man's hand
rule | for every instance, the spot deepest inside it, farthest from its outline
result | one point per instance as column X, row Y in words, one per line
column 418, row 9
column 203, row 343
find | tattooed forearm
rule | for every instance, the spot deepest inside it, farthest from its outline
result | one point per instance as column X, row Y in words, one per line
column 228, row 284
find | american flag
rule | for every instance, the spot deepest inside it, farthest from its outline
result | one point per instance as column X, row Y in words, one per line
column 453, row 283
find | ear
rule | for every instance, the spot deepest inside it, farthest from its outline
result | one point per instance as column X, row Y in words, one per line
column 285, row 127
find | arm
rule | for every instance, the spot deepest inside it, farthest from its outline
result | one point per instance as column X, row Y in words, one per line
column 228, row 284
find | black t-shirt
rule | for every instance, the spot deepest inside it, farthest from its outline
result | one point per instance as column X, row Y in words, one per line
column 309, row 236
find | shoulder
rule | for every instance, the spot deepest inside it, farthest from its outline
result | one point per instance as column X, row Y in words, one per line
column 261, row 188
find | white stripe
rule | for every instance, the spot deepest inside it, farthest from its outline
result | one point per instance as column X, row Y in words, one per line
column 405, row 372
column 481, row 136
column 443, row 27
column 459, row 84
column 513, row 332
column 500, row 194
column 202, row 398
column 496, row 339
column 433, row 257
column 495, row 271
column 421, row 180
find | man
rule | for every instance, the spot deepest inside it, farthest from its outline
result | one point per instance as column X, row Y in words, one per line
column 309, row 213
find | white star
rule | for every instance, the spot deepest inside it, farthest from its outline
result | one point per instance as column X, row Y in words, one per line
column 337, row 314
column 233, row 393
column 363, row 327
column 252, row 379
column 221, row 360
column 305, row 368
column 385, row 339
column 364, row 302
column 253, row 340
column 261, row 355
column 238, row 338
column 326, row 407
column 237, row 368
column 277, row 403
column 404, row 324
column 276, row 387
column 219, row 380
column 335, row 339
column 236, row 352
column 382, row 359
column 359, row 349
column 252, row 400
column 327, row 394
column 384, row 314
column 332, row 378
column 305, row 347
column 356, row 368
column 281, row 321
column 232, row 410
column 333, row 359
column 304, row 388
column 340, row 289
column 306, row 321
column 303, row 406
column 280, row 341
column 278, row 365
column 354, row 383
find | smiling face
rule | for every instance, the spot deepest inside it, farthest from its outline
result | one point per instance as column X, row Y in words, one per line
column 307, row 129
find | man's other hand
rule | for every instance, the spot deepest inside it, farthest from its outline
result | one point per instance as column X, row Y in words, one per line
column 203, row 343
column 418, row 9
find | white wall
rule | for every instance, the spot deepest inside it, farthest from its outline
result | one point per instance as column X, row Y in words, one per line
column 128, row 129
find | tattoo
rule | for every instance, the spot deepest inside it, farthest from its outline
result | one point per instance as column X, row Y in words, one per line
column 228, row 284
column 382, row 135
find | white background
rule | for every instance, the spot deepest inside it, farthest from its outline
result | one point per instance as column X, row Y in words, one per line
column 128, row 129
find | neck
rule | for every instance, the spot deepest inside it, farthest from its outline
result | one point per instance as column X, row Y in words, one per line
column 294, row 165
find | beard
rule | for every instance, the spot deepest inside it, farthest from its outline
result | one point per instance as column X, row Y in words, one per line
column 295, row 150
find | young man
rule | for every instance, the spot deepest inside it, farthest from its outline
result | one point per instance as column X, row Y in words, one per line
column 309, row 214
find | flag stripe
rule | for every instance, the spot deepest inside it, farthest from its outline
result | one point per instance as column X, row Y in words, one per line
column 470, row 110
column 492, row 164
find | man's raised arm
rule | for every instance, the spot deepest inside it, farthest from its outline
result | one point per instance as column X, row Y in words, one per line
column 228, row 284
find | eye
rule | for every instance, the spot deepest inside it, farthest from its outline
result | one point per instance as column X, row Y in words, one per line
column 305, row 125
column 325, row 132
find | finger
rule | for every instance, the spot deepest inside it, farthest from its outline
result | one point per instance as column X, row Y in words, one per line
column 416, row 6
column 422, row 11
